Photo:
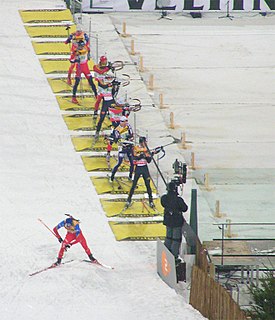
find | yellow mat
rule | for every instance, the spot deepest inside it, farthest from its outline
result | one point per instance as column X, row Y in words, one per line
column 58, row 65
column 121, row 185
column 84, row 122
column 51, row 15
column 51, row 48
column 49, row 31
column 59, row 85
column 139, row 208
column 86, row 143
column 139, row 231
column 86, row 103
column 100, row 164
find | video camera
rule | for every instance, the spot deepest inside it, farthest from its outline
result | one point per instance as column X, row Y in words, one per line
column 180, row 172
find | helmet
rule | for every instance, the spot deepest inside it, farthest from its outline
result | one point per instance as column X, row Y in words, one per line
column 103, row 61
column 79, row 35
column 68, row 222
column 123, row 119
column 172, row 187
column 81, row 44
column 142, row 139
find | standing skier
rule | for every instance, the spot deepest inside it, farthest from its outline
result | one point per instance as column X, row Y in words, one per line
column 141, row 158
column 101, row 69
column 80, row 57
column 74, row 235
column 74, row 38
column 123, row 132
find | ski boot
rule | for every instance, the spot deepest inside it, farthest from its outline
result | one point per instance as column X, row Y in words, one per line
column 95, row 114
column 151, row 204
column 128, row 204
column 74, row 100
column 91, row 257
column 108, row 157
column 57, row 263
column 96, row 136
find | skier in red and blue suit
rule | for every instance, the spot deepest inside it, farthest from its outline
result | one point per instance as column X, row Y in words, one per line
column 74, row 235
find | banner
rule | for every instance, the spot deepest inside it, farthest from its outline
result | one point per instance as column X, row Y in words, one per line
column 166, row 265
column 178, row 5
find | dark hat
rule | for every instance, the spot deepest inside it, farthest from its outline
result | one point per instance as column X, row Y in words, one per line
column 172, row 187
column 142, row 139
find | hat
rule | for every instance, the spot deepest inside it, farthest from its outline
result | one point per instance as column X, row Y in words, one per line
column 123, row 119
column 172, row 187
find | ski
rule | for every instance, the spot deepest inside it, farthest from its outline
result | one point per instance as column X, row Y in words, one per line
column 99, row 264
column 48, row 268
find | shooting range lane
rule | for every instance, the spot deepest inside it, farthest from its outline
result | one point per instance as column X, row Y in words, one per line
column 51, row 48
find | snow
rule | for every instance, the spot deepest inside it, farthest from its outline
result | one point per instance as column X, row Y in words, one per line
column 222, row 72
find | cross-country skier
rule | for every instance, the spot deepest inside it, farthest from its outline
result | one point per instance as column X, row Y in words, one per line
column 80, row 57
column 104, row 89
column 74, row 235
column 124, row 133
column 141, row 158
column 117, row 110
column 74, row 38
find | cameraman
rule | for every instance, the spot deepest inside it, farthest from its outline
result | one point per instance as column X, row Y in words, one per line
column 174, row 206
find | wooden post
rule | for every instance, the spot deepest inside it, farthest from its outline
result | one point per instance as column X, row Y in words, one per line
column 206, row 182
column 124, row 34
column 228, row 232
column 161, row 105
column 132, row 48
column 217, row 210
column 212, row 270
column 151, row 82
column 172, row 123
column 183, row 141
column 218, row 213
column 192, row 161
column 141, row 67
column 124, row 28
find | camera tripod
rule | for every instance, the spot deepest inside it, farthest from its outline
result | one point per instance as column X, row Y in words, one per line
column 227, row 12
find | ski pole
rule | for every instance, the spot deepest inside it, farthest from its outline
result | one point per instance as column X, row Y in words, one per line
column 48, row 228
column 146, row 145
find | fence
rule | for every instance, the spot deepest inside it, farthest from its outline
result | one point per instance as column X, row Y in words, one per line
column 207, row 295
column 211, row 299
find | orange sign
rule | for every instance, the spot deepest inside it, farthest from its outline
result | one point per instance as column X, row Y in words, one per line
column 165, row 265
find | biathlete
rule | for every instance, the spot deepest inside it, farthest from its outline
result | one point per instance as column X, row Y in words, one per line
column 74, row 38
column 123, row 132
column 80, row 57
column 74, row 235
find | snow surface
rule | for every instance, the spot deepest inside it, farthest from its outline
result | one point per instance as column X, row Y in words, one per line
column 43, row 177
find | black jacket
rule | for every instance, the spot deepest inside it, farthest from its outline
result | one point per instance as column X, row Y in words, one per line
column 174, row 206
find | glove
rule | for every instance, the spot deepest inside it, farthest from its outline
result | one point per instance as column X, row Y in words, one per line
column 60, row 239
column 89, row 55
column 68, row 246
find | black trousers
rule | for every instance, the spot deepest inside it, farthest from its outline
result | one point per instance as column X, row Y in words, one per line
column 121, row 155
column 103, row 113
column 141, row 170
column 173, row 240
column 91, row 83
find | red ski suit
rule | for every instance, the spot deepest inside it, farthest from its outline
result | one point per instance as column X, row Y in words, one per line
column 73, row 236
